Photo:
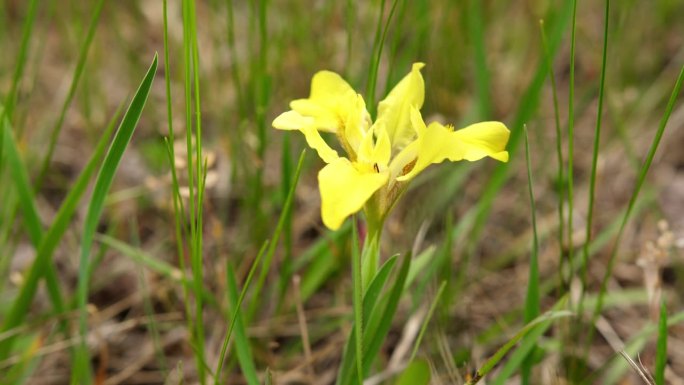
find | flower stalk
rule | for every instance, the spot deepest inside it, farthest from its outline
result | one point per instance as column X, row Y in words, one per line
column 370, row 254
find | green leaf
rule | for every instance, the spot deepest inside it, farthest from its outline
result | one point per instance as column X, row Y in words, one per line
column 78, row 71
column 20, row 178
column 420, row 263
column 105, row 177
column 641, row 178
column 416, row 373
column 559, row 156
column 661, row 351
column 476, row 31
column 21, row 55
column 577, row 328
column 43, row 261
column 268, row 258
column 428, row 317
column 380, row 320
column 532, row 331
column 378, row 44
column 160, row 267
column 236, row 308
column 32, row 221
column 532, row 299
column 524, row 113
column 370, row 299
column 242, row 347
column 616, row 368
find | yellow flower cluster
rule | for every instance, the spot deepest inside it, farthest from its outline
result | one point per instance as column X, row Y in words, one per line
column 382, row 156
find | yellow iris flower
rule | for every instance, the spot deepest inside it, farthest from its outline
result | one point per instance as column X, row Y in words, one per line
column 382, row 156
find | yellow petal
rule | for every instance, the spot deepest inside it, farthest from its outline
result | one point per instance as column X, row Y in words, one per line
column 383, row 147
column 324, row 118
column 344, row 190
column 437, row 143
column 327, row 84
column 315, row 141
column 292, row 120
column 403, row 159
column 330, row 99
column 356, row 123
column 483, row 139
column 375, row 149
column 395, row 109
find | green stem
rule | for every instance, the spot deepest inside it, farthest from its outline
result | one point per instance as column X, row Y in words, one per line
column 370, row 256
column 357, row 278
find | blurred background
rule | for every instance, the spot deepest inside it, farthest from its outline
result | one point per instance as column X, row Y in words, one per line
column 471, row 222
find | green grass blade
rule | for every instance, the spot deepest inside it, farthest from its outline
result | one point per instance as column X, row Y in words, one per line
column 529, row 342
column 427, row 319
column 160, row 267
column 615, row 369
column 476, row 25
column 22, row 55
column 261, row 93
column 8, row 110
column 323, row 245
column 196, row 254
column 268, row 259
column 317, row 272
column 78, row 71
column 399, row 54
column 105, row 177
column 235, row 62
column 178, row 206
column 641, row 178
column 372, row 67
column 42, row 261
column 246, row 361
column 319, row 261
column 167, row 77
column 191, row 169
column 661, row 349
column 27, row 203
column 140, row 257
column 242, row 347
column 416, row 373
column 571, row 134
column 187, row 67
column 236, row 311
column 3, row 21
column 286, row 270
column 349, row 24
column 540, row 324
column 377, row 54
column 532, row 299
column 20, row 178
column 594, row 165
column 181, row 231
column 526, row 109
column 559, row 156
column 195, row 180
